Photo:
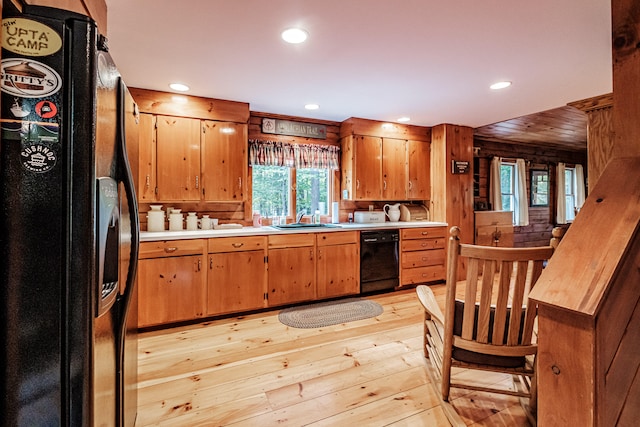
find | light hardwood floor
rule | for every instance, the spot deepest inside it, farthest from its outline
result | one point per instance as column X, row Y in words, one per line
column 255, row 371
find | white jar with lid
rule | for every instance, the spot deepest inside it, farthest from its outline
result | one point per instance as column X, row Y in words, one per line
column 192, row 221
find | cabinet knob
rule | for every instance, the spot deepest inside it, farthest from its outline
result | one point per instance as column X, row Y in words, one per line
column 237, row 245
column 239, row 182
column 424, row 233
column 197, row 181
column 147, row 181
column 170, row 249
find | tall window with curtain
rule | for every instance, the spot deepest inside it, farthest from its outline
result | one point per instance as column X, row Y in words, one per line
column 290, row 178
column 570, row 192
column 508, row 189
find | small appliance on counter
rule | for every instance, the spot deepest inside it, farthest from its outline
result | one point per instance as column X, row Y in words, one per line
column 414, row 213
column 368, row 217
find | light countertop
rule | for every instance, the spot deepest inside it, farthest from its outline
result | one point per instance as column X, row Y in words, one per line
column 147, row 236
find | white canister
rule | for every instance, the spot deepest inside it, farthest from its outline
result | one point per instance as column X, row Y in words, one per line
column 155, row 220
column 192, row 221
column 175, row 222
column 205, row 222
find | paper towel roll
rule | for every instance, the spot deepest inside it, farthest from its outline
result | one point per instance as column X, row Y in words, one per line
column 335, row 212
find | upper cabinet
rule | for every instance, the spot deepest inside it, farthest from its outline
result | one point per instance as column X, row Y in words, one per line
column 224, row 160
column 385, row 161
column 191, row 151
column 177, row 158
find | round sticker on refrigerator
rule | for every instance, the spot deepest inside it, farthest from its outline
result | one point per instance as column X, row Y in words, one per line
column 29, row 38
column 46, row 109
column 29, row 79
column 38, row 158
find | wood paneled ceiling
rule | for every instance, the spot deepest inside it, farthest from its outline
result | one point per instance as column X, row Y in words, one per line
column 563, row 128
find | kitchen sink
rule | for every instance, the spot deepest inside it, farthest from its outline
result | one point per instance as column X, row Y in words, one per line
column 297, row 225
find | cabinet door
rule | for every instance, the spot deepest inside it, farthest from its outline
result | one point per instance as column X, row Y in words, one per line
column 147, row 159
column 236, row 281
column 338, row 270
column 170, row 290
column 292, row 273
column 368, row 168
column 394, row 169
column 419, row 159
column 224, row 161
column 178, row 158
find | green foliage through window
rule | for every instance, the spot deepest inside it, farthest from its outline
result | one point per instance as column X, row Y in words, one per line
column 273, row 190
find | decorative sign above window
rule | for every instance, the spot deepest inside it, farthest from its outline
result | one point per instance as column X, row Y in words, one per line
column 287, row 127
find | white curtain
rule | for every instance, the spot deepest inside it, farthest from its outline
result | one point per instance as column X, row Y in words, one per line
column 522, row 200
column 495, row 192
column 561, row 213
column 579, row 186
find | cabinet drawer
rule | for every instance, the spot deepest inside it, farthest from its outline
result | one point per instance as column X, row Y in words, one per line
column 235, row 244
column 493, row 218
column 167, row 248
column 422, row 259
column 423, row 233
column 431, row 273
column 337, row 238
column 422, row 244
column 292, row 240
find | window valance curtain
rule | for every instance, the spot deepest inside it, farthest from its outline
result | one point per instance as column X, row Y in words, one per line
column 299, row 156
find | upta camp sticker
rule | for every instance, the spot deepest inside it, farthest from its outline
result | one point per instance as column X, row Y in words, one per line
column 29, row 38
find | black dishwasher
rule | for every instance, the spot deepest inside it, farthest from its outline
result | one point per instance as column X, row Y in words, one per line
column 378, row 260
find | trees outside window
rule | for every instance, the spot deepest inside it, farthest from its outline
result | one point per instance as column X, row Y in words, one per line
column 284, row 191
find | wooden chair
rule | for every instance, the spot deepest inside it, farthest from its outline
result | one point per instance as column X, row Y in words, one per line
column 487, row 324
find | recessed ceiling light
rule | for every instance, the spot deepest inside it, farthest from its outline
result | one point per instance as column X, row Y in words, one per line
column 179, row 87
column 294, row 35
column 312, row 106
column 500, row 85
column 404, row 119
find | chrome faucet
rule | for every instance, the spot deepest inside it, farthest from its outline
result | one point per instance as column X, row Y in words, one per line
column 299, row 216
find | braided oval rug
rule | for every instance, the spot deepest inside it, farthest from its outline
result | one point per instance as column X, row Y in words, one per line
column 329, row 313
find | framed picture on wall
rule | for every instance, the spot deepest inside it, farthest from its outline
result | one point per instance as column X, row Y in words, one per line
column 539, row 187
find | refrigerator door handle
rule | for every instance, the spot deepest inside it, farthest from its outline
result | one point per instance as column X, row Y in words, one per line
column 126, row 177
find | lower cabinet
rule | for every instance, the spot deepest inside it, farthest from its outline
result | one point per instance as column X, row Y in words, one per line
column 422, row 255
column 338, row 264
column 171, row 281
column 237, row 276
column 292, row 268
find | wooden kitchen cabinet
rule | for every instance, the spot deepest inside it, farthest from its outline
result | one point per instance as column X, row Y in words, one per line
column 224, row 161
column 389, row 163
column 394, row 169
column 146, row 189
column 338, row 264
column 237, row 276
column 419, row 170
column 362, row 167
column 171, row 281
column 292, row 268
column 177, row 158
column 422, row 255
column 494, row 228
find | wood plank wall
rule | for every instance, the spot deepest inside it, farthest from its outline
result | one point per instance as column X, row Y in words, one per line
column 541, row 219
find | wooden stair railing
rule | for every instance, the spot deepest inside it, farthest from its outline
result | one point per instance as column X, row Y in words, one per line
column 589, row 310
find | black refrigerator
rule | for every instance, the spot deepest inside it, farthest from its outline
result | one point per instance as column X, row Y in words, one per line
column 68, row 226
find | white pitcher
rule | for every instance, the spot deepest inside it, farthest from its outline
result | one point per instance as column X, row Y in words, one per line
column 392, row 212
